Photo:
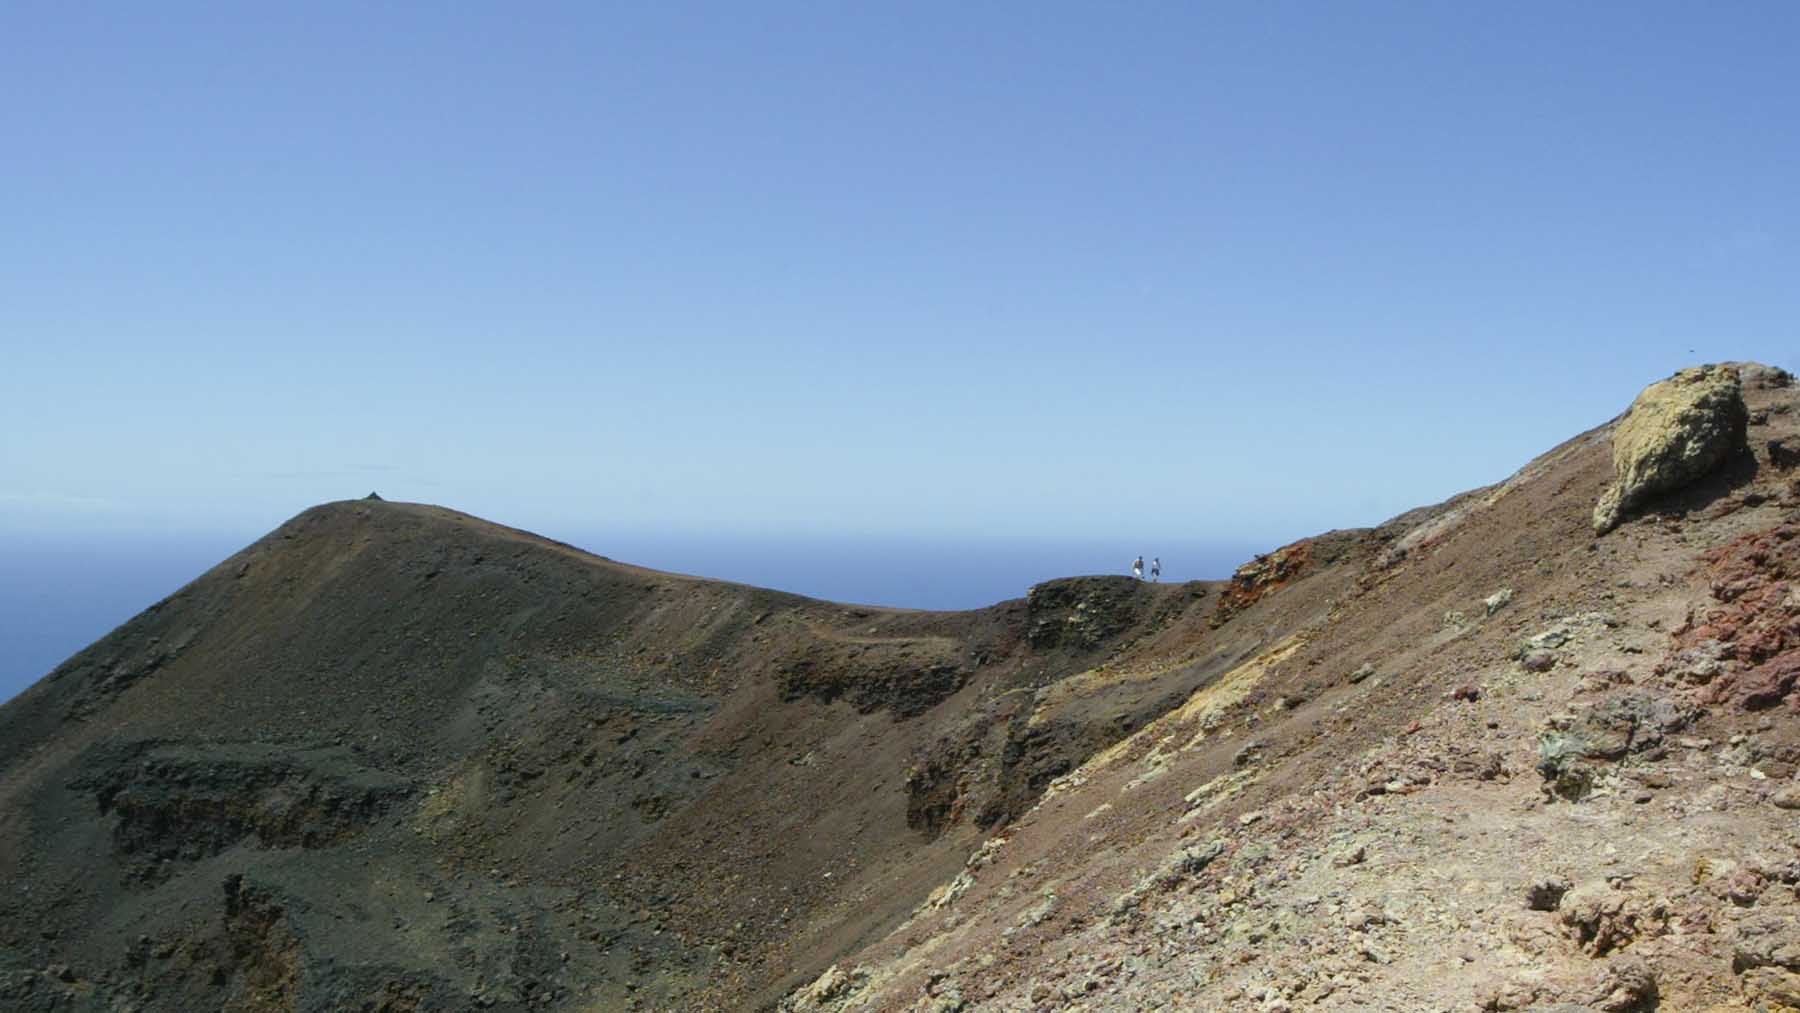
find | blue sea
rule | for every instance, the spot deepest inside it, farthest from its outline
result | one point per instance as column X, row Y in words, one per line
column 59, row 594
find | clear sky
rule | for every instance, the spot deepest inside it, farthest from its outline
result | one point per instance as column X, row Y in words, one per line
column 1240, row 271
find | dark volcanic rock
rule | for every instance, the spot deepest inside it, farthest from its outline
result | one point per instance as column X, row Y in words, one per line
column 391, row 757
column 180, row 802
column 905, row 685
column 1082, row 613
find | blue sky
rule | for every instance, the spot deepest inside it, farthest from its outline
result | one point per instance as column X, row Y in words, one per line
column 1235, row 272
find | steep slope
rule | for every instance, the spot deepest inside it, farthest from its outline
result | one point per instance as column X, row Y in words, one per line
column 395, row 757
column 392, row 757
column 1504, row 765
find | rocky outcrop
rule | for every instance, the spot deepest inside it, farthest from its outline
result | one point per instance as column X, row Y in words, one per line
column 1272, row 571
column 1601, row 917
column 1677, row 431
column 180, row 802
column 1609, row 729
column 1766, row 952
column 1761, row 377
column 829, row 991
column 876, row 678
column 1744, row 647
column 1082, row 613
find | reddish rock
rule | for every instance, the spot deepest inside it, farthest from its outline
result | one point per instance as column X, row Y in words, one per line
column 1742, row 887
column 1767, row 685
column 1757, row 620
column 1260, row 576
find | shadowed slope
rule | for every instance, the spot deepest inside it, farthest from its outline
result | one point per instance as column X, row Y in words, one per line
column 430, row 756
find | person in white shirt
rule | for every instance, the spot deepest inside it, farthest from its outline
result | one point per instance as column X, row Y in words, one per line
column 1137, row 568
column 1156, row 569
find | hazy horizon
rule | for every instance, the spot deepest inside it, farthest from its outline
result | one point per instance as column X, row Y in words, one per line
column 61, row 593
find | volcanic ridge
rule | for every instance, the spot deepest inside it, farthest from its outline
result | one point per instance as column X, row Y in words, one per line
column 1535, row 747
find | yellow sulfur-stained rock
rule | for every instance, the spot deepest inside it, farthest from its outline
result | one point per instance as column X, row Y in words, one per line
column 1676, row 431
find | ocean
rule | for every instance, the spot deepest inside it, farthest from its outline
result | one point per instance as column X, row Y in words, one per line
column 59, row 594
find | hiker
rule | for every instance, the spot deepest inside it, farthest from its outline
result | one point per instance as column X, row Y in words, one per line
column 1137, row 568
column 1156, row 569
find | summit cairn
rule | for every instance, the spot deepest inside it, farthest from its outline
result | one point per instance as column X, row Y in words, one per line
column 1676, row 431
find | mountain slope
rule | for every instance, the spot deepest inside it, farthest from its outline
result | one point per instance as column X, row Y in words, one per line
column 428, row 757
column 391, row 757
column 1506, row 765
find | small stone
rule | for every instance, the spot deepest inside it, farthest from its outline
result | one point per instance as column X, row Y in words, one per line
column 1743, row 886
column 1497, row 600
column 1546, row 894
column 1625, row 985
column 1787, row 798
column 1555, row 636
column 1538, row 661
column 1602, row 679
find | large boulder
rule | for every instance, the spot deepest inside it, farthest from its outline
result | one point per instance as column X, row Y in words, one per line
column 1676, row 431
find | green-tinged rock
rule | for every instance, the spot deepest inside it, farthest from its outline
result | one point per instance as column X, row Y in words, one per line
column 1616, row 727
column 1560, row 756
column 1676, row 431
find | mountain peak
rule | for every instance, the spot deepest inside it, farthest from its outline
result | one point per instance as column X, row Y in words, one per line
column 393, row 756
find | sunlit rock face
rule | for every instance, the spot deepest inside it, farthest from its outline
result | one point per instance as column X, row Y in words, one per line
column 1676, row 431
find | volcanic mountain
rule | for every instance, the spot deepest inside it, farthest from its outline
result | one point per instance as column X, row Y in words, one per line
column 1535, row 745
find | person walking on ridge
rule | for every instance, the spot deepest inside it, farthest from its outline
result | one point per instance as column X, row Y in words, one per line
column 1156, row 570
column 1137, row 568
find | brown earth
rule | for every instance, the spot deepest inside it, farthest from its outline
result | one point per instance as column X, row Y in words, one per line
column 453, row 764
column 392, row 757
